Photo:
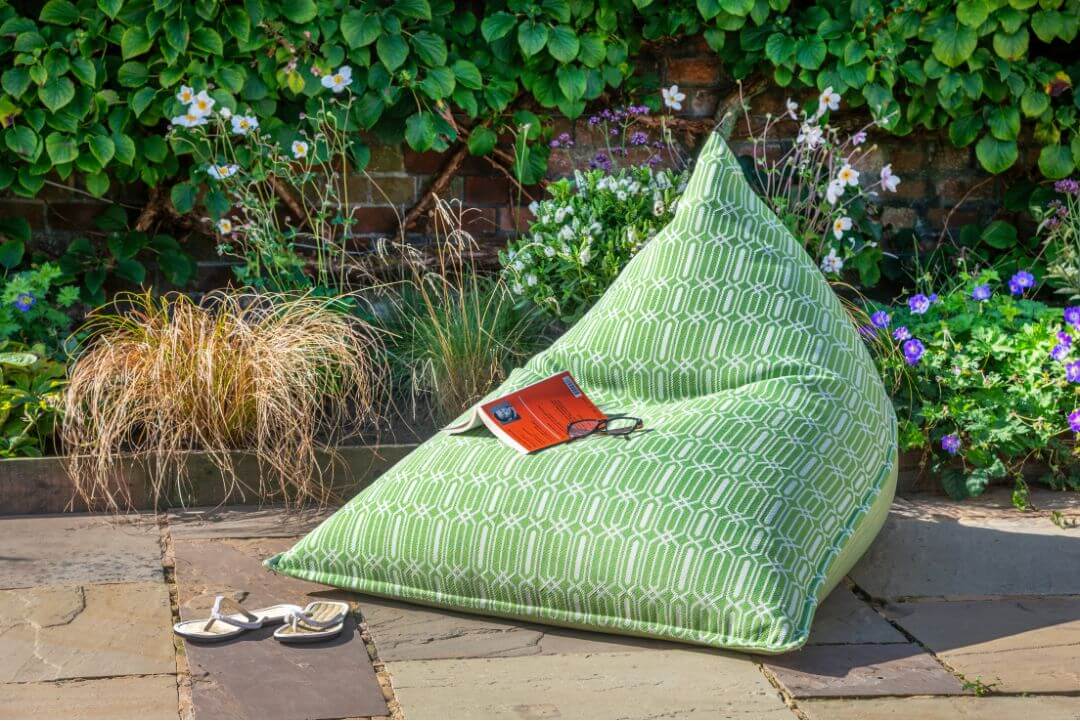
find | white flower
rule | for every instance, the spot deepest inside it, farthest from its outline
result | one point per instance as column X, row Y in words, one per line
column 549, row 251
column 244, row 124
column 299, row 149
column 186, row 95
column 792, row 108
column 848, row 175
column 519, row 266
column 225, row 112
column 584, row 254
column 840, row 225
column 530, row 280
column 828, row 100
column 202, row 104
column 888, row 180
column 220, row 172
column 339, row 80
column 517, row 289
column 224, row 226
column 810, row 135
column 658, row 207
column 566, row 233
column 834, row 191
column 189, row 120
column 832, row 263
column 672, row 97
column 534, row 208
column 621, row 195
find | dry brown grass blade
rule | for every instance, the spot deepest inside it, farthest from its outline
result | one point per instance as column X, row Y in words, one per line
column 283, row 376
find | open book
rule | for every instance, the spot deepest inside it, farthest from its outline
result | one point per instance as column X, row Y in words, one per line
column 535, row 417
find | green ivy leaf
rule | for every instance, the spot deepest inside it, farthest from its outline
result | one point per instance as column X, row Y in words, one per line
column 177, row 33
column 359, row 28
column 1056, row 162
column 954, row 44
column 134, row 42
column 420, row 131
column 563, row 43
column 392, row 51
column 419, row 9
column 56, row 93
column 23, row 141
column 467, row 74
column 571, row 82
column 184, row 196
column 532, row 36
column 132, row 75
column 438, row 83
column 84, row 71
column 103, row 148
column 995, row 155
column 738, row 8
column 238, row 24
column 1004, row 122
column 810, row 52
column 207, row 40
column 125, row 148
column 964, row 129
column 1011, row 46
column 482, row 140
column 111, row 7
column 130, row 270
column 11, row 253
column 298, row 11
column 61, row 148
column 780, row 48
column 430, row 48
column 141, row 100
column 497, row 25
column 972, row 13
column 999, row 234
column 1047, row 24
column 1034, row 102
column 97, row 183
column 15, row 81
column 59, row 12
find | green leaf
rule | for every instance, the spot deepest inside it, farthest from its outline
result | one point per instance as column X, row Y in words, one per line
column 810, row 52
column 1000, row 235
column 177, row 33
column 430, row 48
column 56, row 93
column 135, row 41
column 779, row 48
column 1011, row 46
column 482, row 140
column 15, row 81
column 238, row 24
column 207, row 40
column 59, row 12
column 497, row 25
column 84, row 71
column 111, row 7
column 973, row 13
column 953, row 45
column 11, row 253
column 141, row 100
column 1034, row 102
column 563, row 43
column 125, row 148
column 130, row 270
column 591, row 51
column 359, row 28
column 467, row 74
column 964, row 129
column 438, row 83
column 132, row 75
column 61, row 148
column 299, row 11
column 1056, row 162
column 571, row 82
column 184, row 196
column 392, row 51
column 1004, row 122
column 23, row 141
column 97, row 183
column 419, row 9
column 420, row 131
column 532, row 36
column 1047, row 24
column 995, row 155
column 103, row 148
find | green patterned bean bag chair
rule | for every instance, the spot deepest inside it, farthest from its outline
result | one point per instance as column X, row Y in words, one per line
column 771, row 467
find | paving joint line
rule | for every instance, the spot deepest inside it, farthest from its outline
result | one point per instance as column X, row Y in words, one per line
column 185, row 708
column 787, row 698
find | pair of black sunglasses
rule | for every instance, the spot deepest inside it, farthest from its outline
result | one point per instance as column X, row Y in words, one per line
column 618, row 426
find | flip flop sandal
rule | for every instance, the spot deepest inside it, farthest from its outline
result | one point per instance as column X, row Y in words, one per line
column 221, row 626
column 320, row 620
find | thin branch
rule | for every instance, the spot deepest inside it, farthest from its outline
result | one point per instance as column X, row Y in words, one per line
column 439, row 184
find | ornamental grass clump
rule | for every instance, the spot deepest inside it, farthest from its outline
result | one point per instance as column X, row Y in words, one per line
column 284, row 377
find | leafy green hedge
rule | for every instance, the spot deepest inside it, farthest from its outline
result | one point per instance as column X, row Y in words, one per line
column 87, row 84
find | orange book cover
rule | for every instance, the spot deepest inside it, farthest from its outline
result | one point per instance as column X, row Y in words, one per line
column 537, row 416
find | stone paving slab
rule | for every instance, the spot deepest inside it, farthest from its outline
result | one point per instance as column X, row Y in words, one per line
column 862, row 670
column 66, row 632
column 945, row 707
column 843, row 617
column 931, row 548
column 137, row 697
column 663, row 684
column 408, row 632
column 78, row 548
column 244, row 522
column 1028, row 645
column 256, row 676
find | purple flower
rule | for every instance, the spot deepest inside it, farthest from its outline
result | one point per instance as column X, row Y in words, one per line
column 933, row 298
column 639, row 138
column 563, row 141
column 950, row 444
column 919, row 303
column 1072, row 315
column 901, row 333
column 880, row 319
column 25, row 301
column 1074, row 421
column 1021, row 281
column 1067, row 187
column 1064, row 338
column 914, row 349
column 1060, row 352
column 858, row 138
column 867, row 331
column 1072, row 372
column 601, row 162
column 981, row 292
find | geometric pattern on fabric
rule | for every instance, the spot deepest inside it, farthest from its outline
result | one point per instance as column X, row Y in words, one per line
column 772, row 438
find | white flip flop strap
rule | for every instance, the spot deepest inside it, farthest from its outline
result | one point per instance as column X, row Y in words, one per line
column 217, row 615
column 296, row 617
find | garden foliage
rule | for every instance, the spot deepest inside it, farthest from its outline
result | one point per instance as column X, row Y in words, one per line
column 87, row 83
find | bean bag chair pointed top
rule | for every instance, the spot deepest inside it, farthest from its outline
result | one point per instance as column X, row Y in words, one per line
column 769, row 469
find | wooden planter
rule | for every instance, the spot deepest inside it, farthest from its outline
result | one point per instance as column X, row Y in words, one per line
column 42, row 485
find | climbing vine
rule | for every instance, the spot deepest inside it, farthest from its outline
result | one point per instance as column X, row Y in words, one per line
column 88, row 84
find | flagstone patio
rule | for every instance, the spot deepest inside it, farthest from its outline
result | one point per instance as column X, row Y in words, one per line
column 959, row 610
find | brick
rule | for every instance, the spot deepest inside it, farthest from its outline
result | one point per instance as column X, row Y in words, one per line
column 486, row 190
column 393, row 189
column 428, row 162
column 701, row 102
column 910, row 188
column 938, row 217
column 385, row 158
column 702, row 70
column 514, row 219
column 908, row 159
column 947, row 157
column 75, row 215
column 560, row 163
column 899, row 217
column 480, row 221
column 375, row 219
column 952, row 190
column 358, row 189
column 31, row 210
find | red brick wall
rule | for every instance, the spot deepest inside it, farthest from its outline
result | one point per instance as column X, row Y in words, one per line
column 936, row 176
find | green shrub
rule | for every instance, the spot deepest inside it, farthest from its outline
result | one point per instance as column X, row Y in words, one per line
column 984, row 386
column 87, row 84
column 30, row 390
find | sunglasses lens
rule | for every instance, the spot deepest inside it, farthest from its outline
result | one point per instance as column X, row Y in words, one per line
column 622, row 426
column 577, row 429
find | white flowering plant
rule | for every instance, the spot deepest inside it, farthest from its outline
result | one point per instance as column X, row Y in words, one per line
column 818, row 185
column 583, row 235
column 277, row 200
